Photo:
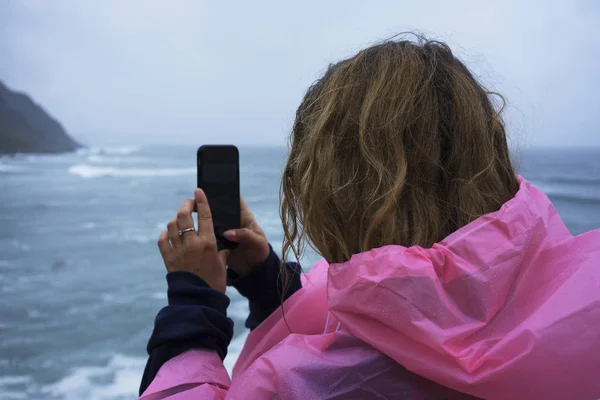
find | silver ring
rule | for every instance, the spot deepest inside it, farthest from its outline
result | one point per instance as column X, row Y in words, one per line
column 186, row 230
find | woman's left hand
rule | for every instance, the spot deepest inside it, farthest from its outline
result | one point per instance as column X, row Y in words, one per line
column 185, row 249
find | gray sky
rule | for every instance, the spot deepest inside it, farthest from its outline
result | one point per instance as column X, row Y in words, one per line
column 190, row 72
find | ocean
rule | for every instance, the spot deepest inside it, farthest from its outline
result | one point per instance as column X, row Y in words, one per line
column 82, row 280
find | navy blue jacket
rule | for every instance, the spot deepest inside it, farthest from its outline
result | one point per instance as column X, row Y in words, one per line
column 196, row 317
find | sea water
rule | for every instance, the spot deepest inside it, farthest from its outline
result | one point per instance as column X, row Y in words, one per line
column 81, row 278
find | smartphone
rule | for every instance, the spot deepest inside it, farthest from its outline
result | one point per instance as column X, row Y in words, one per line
column 219, row 178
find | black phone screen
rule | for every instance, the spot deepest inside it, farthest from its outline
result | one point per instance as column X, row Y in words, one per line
column 218, row 176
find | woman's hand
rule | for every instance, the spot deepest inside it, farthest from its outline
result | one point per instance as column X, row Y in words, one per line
column 194, row 251
column 253, row 248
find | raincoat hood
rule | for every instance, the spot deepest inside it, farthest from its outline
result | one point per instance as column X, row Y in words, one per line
column 506, row 307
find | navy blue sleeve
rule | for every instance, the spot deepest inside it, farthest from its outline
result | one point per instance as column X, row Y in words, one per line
column 196, row 318
column 263, row 287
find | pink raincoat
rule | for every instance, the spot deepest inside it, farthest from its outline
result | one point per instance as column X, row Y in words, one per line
column 507, row 307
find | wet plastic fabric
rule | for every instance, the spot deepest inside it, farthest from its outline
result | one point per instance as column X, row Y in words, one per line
column 508, row 307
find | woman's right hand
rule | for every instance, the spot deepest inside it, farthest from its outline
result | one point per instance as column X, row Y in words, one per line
column 253, row 248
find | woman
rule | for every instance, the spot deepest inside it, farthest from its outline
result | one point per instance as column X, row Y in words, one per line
column 445, row 275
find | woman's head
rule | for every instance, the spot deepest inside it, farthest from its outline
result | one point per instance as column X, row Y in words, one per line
column 397, row 145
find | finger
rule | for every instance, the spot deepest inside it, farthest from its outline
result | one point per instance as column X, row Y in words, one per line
column 243, row 206
column 184, row 215
column 173, row 233
column 205, row 224
column 163, row 244
column 243, row 236
column 223, row 255
column 246, row 217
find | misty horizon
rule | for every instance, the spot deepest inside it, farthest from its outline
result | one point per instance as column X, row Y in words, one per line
column 121, row 74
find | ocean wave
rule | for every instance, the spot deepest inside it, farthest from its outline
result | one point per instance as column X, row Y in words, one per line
column 107, row 297
column 20, row 245
column 88, row 225
column 105, row 159
column 14, row 379
column 140, row 239
column 36, row 314
column 574, row 198
column 93, row 171
column 118, row 151
column 234, row 349
column 11, row 386
column 571, row 180
column 159, row 295
column 238, row 310
column 7, row 168
column 49, row 158
column 8, row 289
column 261, row 199
column 116, row 380
column 558, row 192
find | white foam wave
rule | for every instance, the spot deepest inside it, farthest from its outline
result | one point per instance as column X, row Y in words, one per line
column 10, row 168
column 101, row 159
column 92, row 171
column 118, row 379
column 28, row 160
column 107, row 297
column 141, row 239
column 36, row 314
column 11, row 386
column 20, row 245
column 238, row 310
column 119, row 151
column 234, row 350
column 159, row 295
column 88, row 225
column 8, row 289
column 124, row 150
column 77, row 310
column 562, row 191
column 14, row 380
column 13, row 395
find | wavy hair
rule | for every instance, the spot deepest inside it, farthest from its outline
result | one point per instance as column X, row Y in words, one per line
column 399, row 144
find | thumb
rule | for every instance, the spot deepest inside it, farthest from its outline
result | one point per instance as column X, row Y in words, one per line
column 243, row 236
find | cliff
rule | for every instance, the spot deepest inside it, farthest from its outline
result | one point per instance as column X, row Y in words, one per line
column 26, row 128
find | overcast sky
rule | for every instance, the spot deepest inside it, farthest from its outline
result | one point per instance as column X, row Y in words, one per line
column 191, row 72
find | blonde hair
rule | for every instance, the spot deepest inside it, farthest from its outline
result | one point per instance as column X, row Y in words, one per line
column 398, row 144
